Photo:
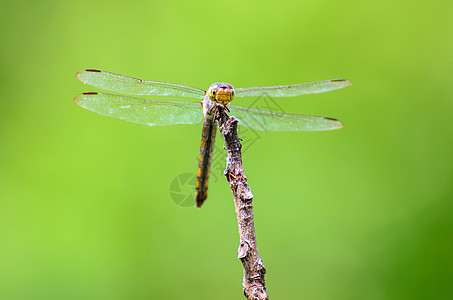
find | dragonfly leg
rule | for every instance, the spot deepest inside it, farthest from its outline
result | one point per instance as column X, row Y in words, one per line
column 217, row 105
column 226, row 107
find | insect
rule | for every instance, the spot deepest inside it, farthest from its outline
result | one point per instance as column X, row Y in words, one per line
column 169, row 112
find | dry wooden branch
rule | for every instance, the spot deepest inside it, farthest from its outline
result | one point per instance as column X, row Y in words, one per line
column 253, row 281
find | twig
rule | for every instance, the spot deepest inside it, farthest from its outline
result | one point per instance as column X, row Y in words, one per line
column 253, row 281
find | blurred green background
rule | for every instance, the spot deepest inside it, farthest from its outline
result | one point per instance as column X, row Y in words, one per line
column 360, row 213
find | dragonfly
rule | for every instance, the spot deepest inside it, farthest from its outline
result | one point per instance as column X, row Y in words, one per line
column 169, row 112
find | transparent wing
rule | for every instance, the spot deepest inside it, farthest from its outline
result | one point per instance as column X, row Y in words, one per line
column 294, row 89
column 141, row 111
column 272, row 121
column 134, row 86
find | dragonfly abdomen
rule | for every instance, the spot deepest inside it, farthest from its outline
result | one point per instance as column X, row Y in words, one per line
column 204, row 161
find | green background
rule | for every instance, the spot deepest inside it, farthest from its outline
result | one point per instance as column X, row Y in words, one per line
column 360, row 213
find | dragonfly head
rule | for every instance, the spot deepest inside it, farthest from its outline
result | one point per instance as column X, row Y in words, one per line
column 221, row 92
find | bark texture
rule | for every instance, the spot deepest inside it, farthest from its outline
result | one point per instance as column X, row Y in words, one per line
column 253, row 281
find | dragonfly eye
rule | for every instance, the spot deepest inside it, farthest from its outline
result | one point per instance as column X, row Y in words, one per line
column 211, row 94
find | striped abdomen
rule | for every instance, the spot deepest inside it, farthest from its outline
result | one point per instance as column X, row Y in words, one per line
column 204, row 161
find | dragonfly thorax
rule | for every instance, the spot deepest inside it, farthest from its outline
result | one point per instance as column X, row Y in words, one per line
column 221, row 92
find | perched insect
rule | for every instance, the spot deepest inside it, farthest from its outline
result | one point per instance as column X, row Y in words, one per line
column 169, row 112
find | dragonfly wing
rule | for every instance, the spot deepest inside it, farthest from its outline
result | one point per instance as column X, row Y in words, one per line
column 294, row 89
column 272, row 121
column 134, row 86
column 141, row 111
